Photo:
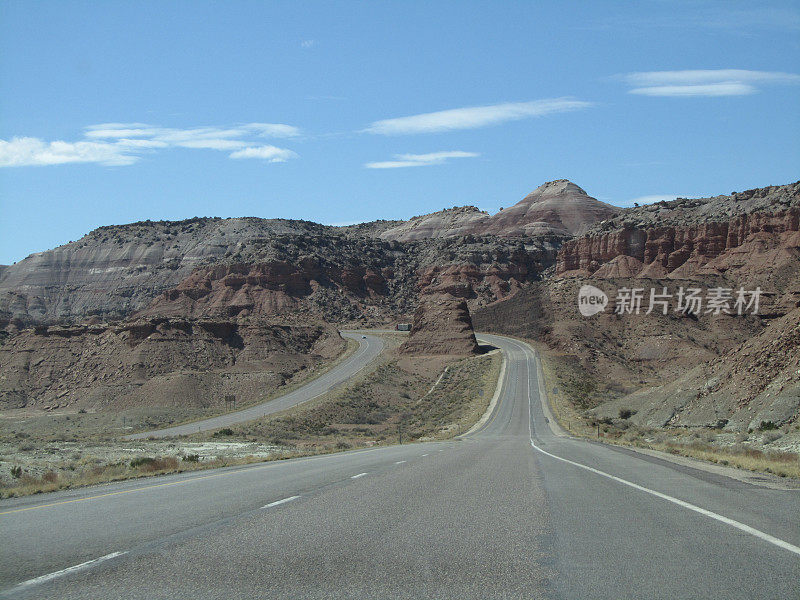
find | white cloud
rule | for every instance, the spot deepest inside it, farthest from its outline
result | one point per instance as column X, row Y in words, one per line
column 123, row 143
column 176, row 136
column 268, row 153
column 473, row 117
column 308, row 43
column 704, row 82
column 28, row 151
column 420, row 160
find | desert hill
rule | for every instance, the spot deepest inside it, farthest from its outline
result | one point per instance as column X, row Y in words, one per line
column 215, row 297
column 555, row 208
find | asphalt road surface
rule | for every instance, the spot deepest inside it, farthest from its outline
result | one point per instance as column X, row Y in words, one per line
column 369, row 347
column 511, row 511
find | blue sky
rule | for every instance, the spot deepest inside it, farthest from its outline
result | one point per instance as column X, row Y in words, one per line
column 338, row 112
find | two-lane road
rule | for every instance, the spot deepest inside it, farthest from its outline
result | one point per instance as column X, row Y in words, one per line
column 510, row 511
column 369, row 347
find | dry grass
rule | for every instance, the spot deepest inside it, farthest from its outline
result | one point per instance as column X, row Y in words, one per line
column 399, row 399
column 393, row 396
column 568, row 405
column 51, row 481
column 782, row 464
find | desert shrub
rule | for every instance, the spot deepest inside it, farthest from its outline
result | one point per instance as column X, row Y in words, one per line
column 141, row 461
column 16, row 472
column 626, row 413
column 767, row 426
column 192, row 458
column 149, row 464
column 223, row 432
column 50, row 477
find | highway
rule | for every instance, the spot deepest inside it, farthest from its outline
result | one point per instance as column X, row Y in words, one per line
column 369, row 347
column 516, row 509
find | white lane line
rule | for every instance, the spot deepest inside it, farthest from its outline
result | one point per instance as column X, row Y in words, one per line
column 357, row 476
column 426, row 454
column 399, row 462
column 67, row 571
column 746, row 528
column 722, row 519
column 277, row 502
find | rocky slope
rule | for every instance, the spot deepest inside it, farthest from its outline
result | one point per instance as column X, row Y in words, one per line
column 156, row 362
column 277, row 267
column 558, row 208
column 757, row 381
column 749, row 239
column 212, row 298
column 442, row 325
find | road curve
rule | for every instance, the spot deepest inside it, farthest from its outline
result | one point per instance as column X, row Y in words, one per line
column 512, row 510
column 369, row 347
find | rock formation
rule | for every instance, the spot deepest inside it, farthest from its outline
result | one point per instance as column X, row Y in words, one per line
column 442, row 325
column 157, row 362
column 558, row 208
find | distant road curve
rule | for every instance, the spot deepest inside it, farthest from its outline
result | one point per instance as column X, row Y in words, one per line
column 370, row 346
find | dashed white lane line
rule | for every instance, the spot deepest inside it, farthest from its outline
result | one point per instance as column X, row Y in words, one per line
column 705, row 512
column 277, row 502
column 399, row 462
column 425, row 454
column 357, row 476
column 50, row 576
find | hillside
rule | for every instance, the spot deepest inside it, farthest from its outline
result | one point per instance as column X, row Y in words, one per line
column 72, row 310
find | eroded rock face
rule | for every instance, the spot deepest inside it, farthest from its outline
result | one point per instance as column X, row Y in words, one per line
column 442, row 325
column 671, row 247
column 258, row 267
column 555, row 208
column 758, row 380
column 155, row 362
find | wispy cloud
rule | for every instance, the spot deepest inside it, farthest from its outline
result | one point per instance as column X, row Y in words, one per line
column 308, row 43
column 119, row 144
column 28, row 151
column 704, row 82
column 420, row 160
column 268, row 153
column 474, row 116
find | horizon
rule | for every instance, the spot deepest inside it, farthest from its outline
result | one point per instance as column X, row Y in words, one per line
column 343, row 114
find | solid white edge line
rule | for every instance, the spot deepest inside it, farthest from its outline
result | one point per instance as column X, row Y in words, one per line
column 357, row 476
column 722, row 519
column 277, row 502
column 399, row 462
column 50, row 576
column 746, row 528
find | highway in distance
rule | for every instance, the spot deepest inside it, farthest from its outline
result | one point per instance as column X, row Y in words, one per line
column 369, row 347
column 516, row 509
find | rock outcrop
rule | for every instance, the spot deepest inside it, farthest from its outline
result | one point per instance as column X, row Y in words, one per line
column 758, row 380
column 671, row 247
column 273, row 268
column 558, row 208
column 442, row 325
column 156, row 362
